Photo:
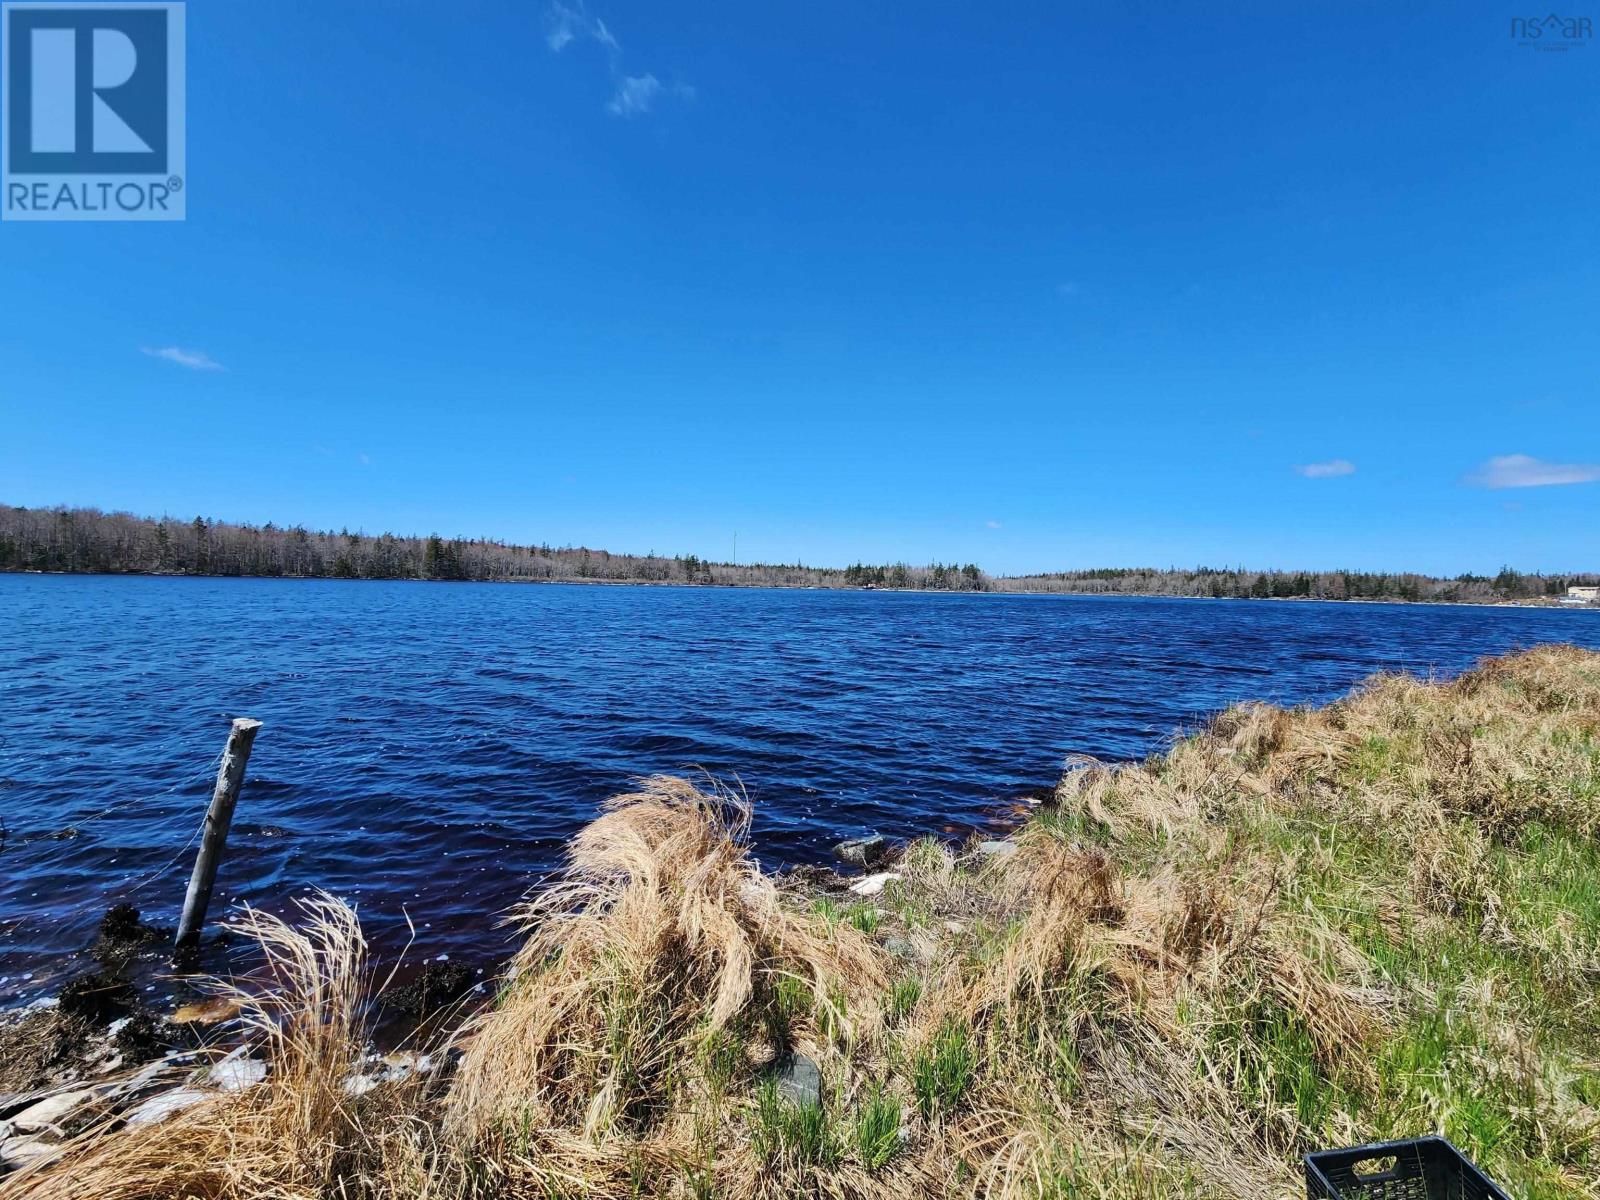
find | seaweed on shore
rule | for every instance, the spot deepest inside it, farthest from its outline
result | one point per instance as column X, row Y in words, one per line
column 36, row 1044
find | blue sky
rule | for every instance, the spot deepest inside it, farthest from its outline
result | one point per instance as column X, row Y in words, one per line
column 1303, row 286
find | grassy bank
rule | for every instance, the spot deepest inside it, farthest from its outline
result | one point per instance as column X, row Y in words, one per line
column 1295, row 929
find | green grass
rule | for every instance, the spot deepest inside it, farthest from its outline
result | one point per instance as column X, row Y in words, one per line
column 864, row 917
column 795, row 1133
column 830, row 1010
column 877, row 1130
column 942, row 1071
column 828, row 909
column 722, row 1058
column 791, row 1001
column 903, row 997
column 1272, row 1060
column 791, row 997
column 1506, row 972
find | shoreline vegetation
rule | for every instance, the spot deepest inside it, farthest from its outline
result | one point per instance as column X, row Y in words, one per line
column 1295, row 929
column 89, row 541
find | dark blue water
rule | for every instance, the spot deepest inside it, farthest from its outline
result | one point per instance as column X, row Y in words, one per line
column 429, row 747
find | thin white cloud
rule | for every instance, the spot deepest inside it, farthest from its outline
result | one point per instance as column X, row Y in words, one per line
column 992, row 524
column 569, row 21
column 195, row 360
column 635, row 96
column 1522, row 471
column 1332, row 469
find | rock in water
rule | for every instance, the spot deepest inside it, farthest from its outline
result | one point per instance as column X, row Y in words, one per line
column 124, row 936
column 121, row 924
column 863, row 851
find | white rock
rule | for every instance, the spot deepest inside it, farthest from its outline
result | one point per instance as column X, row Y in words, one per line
column 389, row 1068
column 236, row 1074
column 19, row 1152
column 161, row 1106
column 150, row 1072
column 998, row 848
column 48, row 1111
column 871, row 885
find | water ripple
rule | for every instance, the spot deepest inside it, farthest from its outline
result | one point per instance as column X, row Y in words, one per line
column 429, row 748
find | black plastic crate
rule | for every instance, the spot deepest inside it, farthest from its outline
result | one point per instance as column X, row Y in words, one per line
column 1427, row 1168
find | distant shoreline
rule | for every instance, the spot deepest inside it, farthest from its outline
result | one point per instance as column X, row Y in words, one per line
column 991, row 590
column 91, row 541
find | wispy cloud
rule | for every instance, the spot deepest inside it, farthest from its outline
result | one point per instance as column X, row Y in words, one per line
column 992, row 524
column 1522, row 471
column 1332, row 469
column 568, row 23
column 632, row 95
column 195, row 360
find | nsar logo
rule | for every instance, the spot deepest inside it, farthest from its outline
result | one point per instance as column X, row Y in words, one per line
column 92, row 116
column 1553, row 32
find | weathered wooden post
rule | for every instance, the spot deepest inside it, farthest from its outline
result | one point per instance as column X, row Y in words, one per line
column 214, row 834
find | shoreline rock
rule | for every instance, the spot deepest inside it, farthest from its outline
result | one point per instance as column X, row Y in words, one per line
column 863, row 851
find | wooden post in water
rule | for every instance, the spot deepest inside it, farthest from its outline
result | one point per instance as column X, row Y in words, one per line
column 214, row 834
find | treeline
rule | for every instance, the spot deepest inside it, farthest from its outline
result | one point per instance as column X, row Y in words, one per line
column 946, row 578
column 1241, row 584
column 88, row 540
column 91, row 541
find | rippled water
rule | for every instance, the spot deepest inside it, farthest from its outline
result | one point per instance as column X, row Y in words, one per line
column 429, row 747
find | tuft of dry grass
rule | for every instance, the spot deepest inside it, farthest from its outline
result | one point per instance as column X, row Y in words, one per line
column 298, row 1134
column 664, row 972
column 1296, row 928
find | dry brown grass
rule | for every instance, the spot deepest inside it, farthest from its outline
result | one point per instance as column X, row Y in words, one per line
column 663, row 971
column 296, row 1135
column 1296, row 928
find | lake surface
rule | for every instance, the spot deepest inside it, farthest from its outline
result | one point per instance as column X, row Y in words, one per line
column 429, row 747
